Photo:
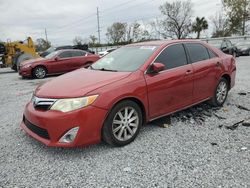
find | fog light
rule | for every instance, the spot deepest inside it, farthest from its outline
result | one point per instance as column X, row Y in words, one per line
column 69, row 136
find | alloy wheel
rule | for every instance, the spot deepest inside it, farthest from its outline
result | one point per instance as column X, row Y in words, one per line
column 125, row 123
column 221, row 92
column 40, row 72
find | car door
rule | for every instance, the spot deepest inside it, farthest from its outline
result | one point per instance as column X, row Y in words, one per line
column 206, row 67
column 59, row 64
column 78, row 60
column 172, row 88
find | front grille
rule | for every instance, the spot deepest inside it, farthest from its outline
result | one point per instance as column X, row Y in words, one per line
column 42, row 103
column 35, row 129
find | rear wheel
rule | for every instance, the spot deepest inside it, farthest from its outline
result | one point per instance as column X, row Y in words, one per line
column 39, row 72
column 221, row 92
column 122, row 124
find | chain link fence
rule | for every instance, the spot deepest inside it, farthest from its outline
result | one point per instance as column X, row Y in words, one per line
column 212, row 41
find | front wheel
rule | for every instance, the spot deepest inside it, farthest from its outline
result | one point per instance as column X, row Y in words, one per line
column 122, row 124
column 39, row 72
column 221, row 92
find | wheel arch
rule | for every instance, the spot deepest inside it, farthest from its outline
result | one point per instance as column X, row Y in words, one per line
column 138, row 102
column 33, row 68
column 228, row 78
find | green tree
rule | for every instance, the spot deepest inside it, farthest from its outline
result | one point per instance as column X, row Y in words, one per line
column 238, row 14
column 42, row 45
column 177, row 21
column 199, row 25
column 93, row 39
column 220, row 25
column 78, row 40
column 116, row 32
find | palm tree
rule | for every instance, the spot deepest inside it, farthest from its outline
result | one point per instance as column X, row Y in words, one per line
column 199, row 25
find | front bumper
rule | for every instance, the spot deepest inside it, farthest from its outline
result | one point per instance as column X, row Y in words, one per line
column 56, row 124
column 25, row 72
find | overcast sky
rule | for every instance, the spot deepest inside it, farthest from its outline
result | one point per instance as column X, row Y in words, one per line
column 65, row 19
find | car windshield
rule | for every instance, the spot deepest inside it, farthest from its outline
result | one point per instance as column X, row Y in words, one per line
column 50, row 49
column 126, row 59
column 52, row 54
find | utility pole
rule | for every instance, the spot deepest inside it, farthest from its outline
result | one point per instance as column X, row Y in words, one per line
column 98, row 26
column 244, row 18
column 46, row 35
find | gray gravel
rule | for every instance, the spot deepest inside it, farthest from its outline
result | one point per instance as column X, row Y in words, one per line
column 197, row 150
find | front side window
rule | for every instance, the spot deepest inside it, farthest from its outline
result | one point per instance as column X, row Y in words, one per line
column 52, row 55
column 197, row 52
column 125, row 59
column 173, row 56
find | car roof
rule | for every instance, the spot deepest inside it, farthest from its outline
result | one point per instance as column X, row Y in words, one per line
column 74, row 50
column 164, row 42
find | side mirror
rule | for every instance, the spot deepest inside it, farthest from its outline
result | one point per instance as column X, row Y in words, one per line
column 156, row 68
column 56, row 58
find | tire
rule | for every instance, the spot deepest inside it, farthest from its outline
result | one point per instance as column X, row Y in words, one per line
column 118, row 130
column 39, row 72
column 14, row 67
column 220, row 94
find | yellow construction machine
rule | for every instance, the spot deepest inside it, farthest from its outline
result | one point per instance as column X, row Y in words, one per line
column 13, row 53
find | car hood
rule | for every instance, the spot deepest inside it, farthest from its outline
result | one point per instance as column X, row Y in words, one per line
column 78, row 83
column 31, row 61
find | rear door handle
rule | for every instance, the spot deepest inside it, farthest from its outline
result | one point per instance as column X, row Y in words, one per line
column 188, row 72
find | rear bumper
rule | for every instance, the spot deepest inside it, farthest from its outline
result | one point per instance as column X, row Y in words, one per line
column 56, row 124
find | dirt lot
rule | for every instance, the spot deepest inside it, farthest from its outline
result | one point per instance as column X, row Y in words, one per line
column 201, row 148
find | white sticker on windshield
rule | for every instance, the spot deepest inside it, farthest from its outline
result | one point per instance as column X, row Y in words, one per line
column 148, row 47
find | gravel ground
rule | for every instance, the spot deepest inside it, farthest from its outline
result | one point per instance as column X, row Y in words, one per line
column 199, row 149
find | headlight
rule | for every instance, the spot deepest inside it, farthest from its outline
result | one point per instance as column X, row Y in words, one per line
column 25, row 66
column 67, row 105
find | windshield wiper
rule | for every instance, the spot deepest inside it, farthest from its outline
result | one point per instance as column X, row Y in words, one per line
column 103, row 69
column 90, row 67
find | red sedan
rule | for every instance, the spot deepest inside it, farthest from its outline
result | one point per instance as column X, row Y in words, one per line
column 57, row 62
column 125, row 89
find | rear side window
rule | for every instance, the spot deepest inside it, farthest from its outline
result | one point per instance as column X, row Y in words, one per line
column 173, row 56
column 197, row 52
column 65, row 54
column 78, row 53
column 211, row 54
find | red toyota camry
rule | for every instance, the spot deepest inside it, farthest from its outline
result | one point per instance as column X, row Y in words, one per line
column 125, row 89
column 57, row 62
